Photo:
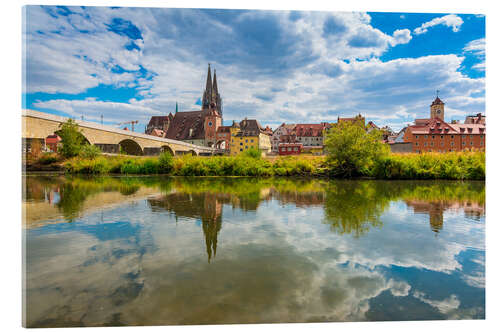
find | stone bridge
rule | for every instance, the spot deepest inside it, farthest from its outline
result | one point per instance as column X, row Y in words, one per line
column 39, row 125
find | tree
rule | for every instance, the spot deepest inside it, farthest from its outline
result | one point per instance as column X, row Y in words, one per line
column 351, row 151
column 72, row 139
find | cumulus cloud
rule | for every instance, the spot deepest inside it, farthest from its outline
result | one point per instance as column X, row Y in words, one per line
column 477, row 47
column 277, row 66
column 451, row 20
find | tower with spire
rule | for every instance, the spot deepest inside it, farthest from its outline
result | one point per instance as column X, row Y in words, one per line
column 437, row 107
column 211, row 97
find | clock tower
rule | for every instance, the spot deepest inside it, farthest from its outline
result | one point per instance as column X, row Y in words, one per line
column 437, row 108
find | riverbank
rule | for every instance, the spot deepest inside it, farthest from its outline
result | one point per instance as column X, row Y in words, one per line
column 453, row 165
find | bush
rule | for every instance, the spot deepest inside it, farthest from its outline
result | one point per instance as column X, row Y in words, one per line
column 47, row 158
column 451, row 165
column 166, row 162
column 72, row 139
column 351, row 151
column 89, row 151
column 252, row 153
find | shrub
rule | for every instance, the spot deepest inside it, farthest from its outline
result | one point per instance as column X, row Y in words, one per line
column 351, row 151
column 47, row 158
column 166, row 162
column 252, row 153
column 89, row 151
column 72, row 139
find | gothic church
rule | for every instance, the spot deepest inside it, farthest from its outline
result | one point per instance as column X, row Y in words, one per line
column 196, row 127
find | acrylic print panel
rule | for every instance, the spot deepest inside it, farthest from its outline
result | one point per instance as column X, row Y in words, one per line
column 197, row 166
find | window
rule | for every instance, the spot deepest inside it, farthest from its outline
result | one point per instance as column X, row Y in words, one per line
column 433, row 137
column 442, row 136
column 209, row 124
column 432, row 144
column 463, row 136
column 426, row 136
column 416, row 143
column 452, row 144
column 463, row 143
column 246, row 140
column 452, row 136
column 295, row 149
column 241, row 143
column 471, row 143
column 481, row 143
column 471, row 136
column 425, row 144
column 241, row 149
column 289, row 149
column 442, row 144
column 416, row 136
column 251, row 140
column 246, row 147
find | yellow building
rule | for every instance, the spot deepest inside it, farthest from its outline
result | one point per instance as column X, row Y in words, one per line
column 249, row 134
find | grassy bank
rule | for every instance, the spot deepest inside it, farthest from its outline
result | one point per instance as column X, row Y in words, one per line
column 197, row 166
column 455, row 165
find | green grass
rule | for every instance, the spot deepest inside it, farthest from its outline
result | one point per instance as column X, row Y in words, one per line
column 454, row 165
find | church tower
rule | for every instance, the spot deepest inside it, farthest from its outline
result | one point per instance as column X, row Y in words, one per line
column 437, row 108
column 207, row 94
column 211, row 97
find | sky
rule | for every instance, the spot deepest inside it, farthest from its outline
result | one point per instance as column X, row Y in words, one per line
column 275, row 66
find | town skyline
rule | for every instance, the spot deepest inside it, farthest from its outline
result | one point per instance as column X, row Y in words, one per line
column 274, row 66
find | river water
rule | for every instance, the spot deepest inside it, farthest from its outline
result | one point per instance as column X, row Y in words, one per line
column 157, row 251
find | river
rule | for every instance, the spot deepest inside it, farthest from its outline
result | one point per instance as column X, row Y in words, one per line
column 111, row 251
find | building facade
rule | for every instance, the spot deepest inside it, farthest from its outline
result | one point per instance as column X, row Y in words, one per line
column 436, row 135
column 249, row 134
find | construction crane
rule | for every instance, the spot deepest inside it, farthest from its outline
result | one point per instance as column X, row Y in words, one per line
column 132, row 122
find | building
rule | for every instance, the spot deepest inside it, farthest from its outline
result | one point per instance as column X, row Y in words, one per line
column 52, row 141
column 223, row 138
column 283, row 129
column 436, row 135
column 477, row 119
column 359, row 119
column 159, row 125
column 311, row 136
column 195, row 127
column 289, row 148
column 249, row 134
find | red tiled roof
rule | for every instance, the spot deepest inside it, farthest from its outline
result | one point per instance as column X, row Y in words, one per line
column 437, row 101
column 187, row 125
column 310, row 129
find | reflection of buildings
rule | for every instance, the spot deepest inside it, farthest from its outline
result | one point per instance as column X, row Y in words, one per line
column 435, row 210
column 204, row 206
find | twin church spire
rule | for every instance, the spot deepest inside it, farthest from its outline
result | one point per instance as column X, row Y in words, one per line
column 211, row 97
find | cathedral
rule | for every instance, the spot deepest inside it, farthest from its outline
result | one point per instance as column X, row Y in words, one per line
column 195, row 127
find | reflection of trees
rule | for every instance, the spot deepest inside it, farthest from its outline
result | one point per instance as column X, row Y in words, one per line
column 74, row 191
column 353, row 207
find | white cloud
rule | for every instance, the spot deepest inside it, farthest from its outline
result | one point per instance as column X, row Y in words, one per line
column 401, row 36
column 450, row 20
column 326, row 64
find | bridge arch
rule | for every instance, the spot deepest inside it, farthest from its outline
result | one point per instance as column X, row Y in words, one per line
column 130, row 147
column 167, row 149
column 221, row 144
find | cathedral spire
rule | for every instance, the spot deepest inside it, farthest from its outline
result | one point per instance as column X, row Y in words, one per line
column 215, row 90
column 209, row 82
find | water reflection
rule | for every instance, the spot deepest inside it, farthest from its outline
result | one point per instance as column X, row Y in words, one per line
column 156, row 250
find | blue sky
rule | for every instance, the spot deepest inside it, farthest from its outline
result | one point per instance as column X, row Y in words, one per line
column 276, row 66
